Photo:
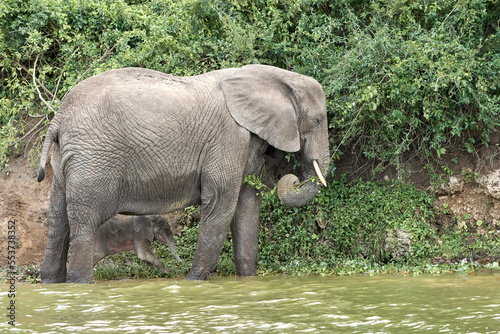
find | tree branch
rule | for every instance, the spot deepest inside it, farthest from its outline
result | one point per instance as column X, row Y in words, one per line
column 32, row 129
column 48, row 92
column 34, row 83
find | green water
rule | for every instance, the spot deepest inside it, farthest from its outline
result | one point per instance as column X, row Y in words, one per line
column 361, row 304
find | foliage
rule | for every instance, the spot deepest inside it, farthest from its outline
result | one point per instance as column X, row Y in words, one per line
column 348, row 222
column 398, row 74
column 417, row 74
column 462, row 241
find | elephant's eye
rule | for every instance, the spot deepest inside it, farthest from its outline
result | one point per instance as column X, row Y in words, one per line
column 319, row 120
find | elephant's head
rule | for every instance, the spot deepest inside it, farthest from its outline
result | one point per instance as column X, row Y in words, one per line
column 156, row 228
column 288, row 110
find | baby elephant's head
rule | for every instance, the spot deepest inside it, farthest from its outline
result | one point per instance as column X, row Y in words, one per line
column 162, row 232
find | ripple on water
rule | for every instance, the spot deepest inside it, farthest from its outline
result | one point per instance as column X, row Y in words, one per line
column 382, row 304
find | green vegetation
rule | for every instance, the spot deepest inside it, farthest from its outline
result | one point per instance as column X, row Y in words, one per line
column 349, row 222
column 347, row 230
column 344, row 231
column 399, row 75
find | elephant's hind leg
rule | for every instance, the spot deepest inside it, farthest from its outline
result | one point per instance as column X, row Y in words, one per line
column 83, row 225
column 53, row 268
column 88, row 206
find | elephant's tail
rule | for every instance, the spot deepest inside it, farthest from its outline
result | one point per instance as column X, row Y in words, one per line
column 52, row 134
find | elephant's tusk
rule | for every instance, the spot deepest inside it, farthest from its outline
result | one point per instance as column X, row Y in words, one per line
column 318, row 172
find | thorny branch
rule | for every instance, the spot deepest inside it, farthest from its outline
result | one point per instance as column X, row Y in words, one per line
column 106, row 54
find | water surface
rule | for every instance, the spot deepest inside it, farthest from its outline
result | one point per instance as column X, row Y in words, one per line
column 280, row 304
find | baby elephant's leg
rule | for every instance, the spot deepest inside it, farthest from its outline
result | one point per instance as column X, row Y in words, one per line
column 143, row 251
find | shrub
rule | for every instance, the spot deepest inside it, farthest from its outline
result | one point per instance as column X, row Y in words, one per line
column 347, row 222
column 398, row 74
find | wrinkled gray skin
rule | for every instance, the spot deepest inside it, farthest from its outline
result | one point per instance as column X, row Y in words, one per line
column 121, row 234
column 141, row 142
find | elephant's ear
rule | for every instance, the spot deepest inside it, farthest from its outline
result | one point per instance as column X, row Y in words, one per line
column 262, row 100
column 143, row 225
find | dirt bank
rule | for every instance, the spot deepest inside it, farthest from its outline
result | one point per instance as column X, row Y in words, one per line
column 25, row 201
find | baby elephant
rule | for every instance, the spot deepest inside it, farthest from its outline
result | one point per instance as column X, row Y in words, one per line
column 120, row 234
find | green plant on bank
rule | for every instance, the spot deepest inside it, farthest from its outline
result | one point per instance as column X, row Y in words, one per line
column 398, row 74
column 347, row 222
column 445, row 208
column 459, row 245
column 128, row 265
column 256, row 182
column 469, row 175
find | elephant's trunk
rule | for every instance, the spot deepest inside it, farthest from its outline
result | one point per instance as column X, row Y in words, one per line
column 291, row 193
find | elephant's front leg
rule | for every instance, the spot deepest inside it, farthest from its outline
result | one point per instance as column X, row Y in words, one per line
column 143, row 251
column 213, row 231
column 245, row 232
column 217, row 211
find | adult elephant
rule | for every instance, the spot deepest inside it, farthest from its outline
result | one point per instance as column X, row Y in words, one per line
column 137, row 141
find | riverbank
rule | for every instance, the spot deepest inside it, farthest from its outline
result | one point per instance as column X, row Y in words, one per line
column 126, row 267
column 352, row 227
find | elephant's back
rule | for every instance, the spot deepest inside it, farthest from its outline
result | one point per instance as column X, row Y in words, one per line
column 131, row 101
column 93, row 89
column 143, row 130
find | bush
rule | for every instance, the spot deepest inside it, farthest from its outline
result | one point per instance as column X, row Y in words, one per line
column 398, row 74
column 416, row 75
column 348, row 222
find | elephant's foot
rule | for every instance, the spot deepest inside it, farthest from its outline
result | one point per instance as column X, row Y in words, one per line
column 51, row 272
column 163, row 269
column 50, row 279
column 246, row 270
column 195, row 275
column 245, row 260
column 80, row 267
column 76, row 278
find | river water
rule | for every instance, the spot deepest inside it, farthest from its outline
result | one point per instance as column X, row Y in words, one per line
column 280, row 304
